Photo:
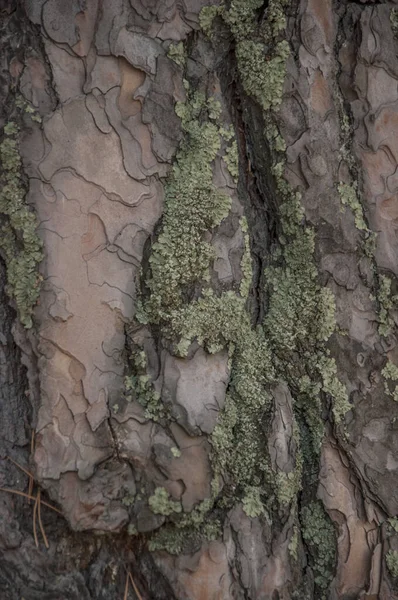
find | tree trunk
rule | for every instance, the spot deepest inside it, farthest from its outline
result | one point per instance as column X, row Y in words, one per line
column 198, row 351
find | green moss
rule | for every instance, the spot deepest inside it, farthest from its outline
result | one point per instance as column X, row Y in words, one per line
column 19, row 241
column 177, row 53
column 390, row 373
column 392, row 562
column 320, row 537
column 161, row 504
column 349, row 197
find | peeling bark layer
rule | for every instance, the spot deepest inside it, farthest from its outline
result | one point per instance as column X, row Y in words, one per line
column 211, row 375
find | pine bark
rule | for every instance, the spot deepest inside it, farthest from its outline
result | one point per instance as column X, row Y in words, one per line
column 207, row 393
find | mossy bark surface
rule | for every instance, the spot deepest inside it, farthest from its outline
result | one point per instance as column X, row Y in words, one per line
column 198, row 300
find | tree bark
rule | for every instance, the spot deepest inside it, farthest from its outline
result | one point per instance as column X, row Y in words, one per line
column 198, row 351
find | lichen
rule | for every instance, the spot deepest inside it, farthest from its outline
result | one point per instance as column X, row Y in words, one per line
column 207, row 16
column 176, row 452
column 186, row 529
column 390, row 374
column 246, row 264
column 19, row 241
column 392, row 562
column 394, row 20
column 139, row 386
column 193, row 206
column 177, row 53
column 261, row 78
column 232, row 160
column 349, row 197
column 182, row 303
column 386, row 302
column 320, row 537
column 393, row 522
column 161, row 504
column 252, row 504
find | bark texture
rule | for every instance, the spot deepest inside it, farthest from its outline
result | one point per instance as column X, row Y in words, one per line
column 203, row 368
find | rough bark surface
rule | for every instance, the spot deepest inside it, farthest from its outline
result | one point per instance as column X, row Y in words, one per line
column 208, row 392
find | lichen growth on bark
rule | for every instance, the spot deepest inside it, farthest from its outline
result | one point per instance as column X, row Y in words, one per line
column 392, row 562
column 161, row 504
column 139, row 386
column 390, row 374
column 177, row 53
column 386, row 303
column 193, row 205
column 21, row 246
column 349, row 197
column 320, row 537
column 252, row 504
column 300, row 317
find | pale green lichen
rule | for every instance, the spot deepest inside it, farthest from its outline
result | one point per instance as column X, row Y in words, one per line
column 349, row 197
column 393, row 522
column 176, row 452
column 246, row 264
column 193, row 206
column 392, row 562
column 177, row 53
column 273, row 136
column 326, row 366
column 394, row 20
column 187, row 528
column 275, row 18
column 386, row 303
column 19, row 241
column 390, row 374
column 214, row 109
column 161, row 504
column 300, row 311
column 241, row 17
column 232, row 160
column 128, row 500
column 261, row 78
column 138, row 386
column 320, row 537
column 207, row 16
column 252, row 504
column 132, row 530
